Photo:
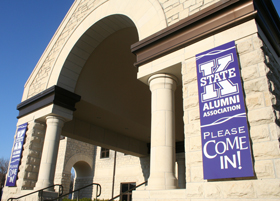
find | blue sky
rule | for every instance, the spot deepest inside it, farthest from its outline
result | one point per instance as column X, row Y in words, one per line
column 26, row 27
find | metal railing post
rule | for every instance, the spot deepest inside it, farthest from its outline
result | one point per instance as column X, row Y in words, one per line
column 96, row 193
column 78, row 190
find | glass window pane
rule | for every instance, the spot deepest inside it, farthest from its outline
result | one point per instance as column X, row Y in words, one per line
column 124, row 187
column 132, row 185
column 124, row 198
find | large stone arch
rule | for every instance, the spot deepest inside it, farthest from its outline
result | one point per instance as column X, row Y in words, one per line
column 83, row 166
column 147, row 16
column 78, row 158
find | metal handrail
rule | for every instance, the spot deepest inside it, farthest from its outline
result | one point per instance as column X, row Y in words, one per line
column 97, row 195
column 127, row 191
column 41, row 192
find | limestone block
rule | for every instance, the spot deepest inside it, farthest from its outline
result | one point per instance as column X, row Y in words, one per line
column 194, row 158
column 262, row 69
column 195, row 190
column 274, row 131
column 189, row 77
column 238, row 189
column 260, row 116
column 187, row 144
column 35, row 168
column 266, row 150
column 36, row 146
column 26, row 183
column 192, row 89
column 184, row 13
column 32, row 184
column 189, row 3
column 212, row 190
column 250, row 73
column 255, row 101
column 190, row 102
column 170, row 3
column 197, row 5
column 267, row 188
column 277, row 167
column 257, row 42
column 264, row 169
column 33, row 161
column 31, row 176
column 195, row 143
column 185, row 91
column 190, row 64
column 192, row 129
column 251, row 58
column 194, row 115
column 188, row 174
column 36, row 139
column 174, row 10
column 256, row 85
column 268, row 98
column 33, row 153
column 197, row 174
column 259, row 133
column 28, row 167
column 245, row 46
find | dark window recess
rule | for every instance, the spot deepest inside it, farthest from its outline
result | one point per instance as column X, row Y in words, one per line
column 125, row 187
column 104, row 153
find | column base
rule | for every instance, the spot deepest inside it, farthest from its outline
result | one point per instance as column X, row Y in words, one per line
column 39, row 185
column 162, row 183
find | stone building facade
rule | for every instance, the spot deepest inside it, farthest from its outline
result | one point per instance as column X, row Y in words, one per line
column 88, row 86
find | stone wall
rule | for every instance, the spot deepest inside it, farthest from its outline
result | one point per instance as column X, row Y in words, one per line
column 69, row 148
column 128, row 168
column 32, row 151
column 30, row 162
column 260, row 83
column 174, row 10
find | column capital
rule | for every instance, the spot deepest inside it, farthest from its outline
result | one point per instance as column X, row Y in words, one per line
column 163, row 81
column 55, row 119
column 163, row 75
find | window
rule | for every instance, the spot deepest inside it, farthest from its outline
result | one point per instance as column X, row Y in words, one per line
column 104, row 153
column 125, row 187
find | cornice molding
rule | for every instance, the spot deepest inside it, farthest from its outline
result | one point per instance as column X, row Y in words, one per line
column 53, row 95
column 209, row 21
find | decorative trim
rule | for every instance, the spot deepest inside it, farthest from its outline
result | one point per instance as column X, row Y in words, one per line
column 53, row 95
column 209, row 21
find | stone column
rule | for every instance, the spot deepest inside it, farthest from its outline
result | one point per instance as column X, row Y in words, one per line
column 49, row 154
column 162, row 164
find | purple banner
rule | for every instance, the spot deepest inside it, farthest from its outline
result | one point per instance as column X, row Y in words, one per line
column 224, row 132
column 16, row 155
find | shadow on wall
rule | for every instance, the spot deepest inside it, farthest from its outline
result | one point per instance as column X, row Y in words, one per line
column 273, row 76
column 145, row 166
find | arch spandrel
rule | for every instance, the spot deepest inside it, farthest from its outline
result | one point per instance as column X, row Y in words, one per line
column 147, row 16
